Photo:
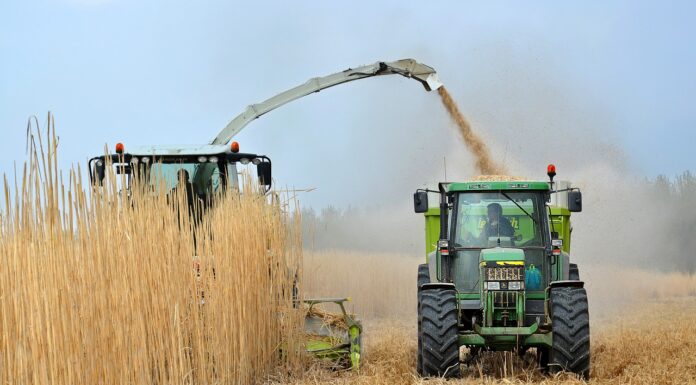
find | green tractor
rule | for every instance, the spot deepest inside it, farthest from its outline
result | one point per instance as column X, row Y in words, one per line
column 498, row 275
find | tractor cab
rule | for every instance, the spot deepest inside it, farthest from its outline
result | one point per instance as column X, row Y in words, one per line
column 209, row 169
column 505, row 219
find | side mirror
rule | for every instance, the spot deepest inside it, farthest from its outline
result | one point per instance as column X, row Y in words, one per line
column 420, row 201
column 263, row 170
column 575, row 201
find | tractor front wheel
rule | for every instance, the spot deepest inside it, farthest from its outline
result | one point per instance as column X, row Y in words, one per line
column 570, row 318
column 439, row 333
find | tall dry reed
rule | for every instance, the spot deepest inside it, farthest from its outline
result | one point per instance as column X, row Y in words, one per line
column 98, row 286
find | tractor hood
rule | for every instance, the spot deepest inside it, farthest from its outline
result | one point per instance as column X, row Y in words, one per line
column 502, row 256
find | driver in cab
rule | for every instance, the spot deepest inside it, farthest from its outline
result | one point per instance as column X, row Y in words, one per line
column 497, row 224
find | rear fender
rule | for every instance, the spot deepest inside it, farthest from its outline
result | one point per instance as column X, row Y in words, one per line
column 437, row 285
column 554, row 284
column 566, row 283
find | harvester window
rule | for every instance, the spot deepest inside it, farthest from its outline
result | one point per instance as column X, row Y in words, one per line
column 164, row 175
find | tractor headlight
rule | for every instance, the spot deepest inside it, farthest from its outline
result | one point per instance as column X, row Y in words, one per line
column 493, row 285
column 515, row 285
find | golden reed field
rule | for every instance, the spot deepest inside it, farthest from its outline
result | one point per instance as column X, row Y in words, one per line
column 100, row 288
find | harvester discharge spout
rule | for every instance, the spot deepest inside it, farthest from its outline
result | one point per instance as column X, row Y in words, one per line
column 406, row 67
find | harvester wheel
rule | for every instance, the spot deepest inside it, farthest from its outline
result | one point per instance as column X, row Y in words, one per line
column 571, row 331
column 439, row 333
column 574, row 273
column 423, row 278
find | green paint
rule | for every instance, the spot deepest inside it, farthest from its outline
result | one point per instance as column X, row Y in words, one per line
column 506, row 338
column 506, row 331
column 432, row 230
column 489, row 186
column 560, row 221
column 502, row 254
column 354, row 332
column 470, row 296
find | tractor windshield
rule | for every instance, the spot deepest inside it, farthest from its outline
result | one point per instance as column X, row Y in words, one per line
column 506, row 219
column 168, row 172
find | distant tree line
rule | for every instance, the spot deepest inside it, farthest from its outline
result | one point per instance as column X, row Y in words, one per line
column 674, row 203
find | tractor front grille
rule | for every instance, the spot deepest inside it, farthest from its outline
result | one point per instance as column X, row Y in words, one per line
column 515, row 273
column 505, row 299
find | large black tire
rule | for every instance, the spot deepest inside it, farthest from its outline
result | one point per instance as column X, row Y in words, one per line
column 574, row 272
column 423, row 278
column 423, row 275
column 571, row 331
column 439, row 333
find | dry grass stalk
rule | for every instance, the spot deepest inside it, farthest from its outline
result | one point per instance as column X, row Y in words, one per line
column 100, row 287
column 328, row 317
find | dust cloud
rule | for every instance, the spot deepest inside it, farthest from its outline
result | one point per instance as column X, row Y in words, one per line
column 525, row 117
column 484, row 161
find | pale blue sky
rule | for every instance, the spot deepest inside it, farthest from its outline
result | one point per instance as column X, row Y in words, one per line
column 571, row 83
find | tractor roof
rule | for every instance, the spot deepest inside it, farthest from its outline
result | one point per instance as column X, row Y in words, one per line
column 498, row 185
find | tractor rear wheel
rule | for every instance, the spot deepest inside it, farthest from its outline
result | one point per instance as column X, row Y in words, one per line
column 439, row 333
column 571, row 331
column 423, row 278
column 574, row 272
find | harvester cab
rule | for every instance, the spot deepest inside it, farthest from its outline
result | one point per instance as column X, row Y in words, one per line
column 209, row 169
column 498, row 274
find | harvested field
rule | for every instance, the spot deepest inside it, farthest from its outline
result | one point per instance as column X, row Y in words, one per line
column 641, row 327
